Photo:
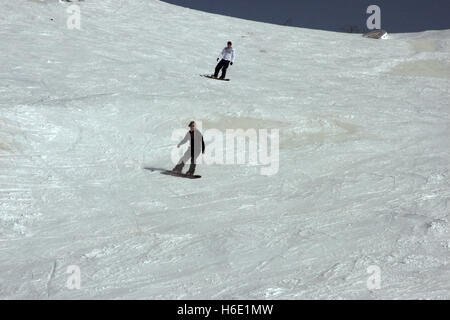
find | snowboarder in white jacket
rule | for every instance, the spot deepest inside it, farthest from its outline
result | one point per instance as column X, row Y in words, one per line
column 196, row 146
column 226, row 58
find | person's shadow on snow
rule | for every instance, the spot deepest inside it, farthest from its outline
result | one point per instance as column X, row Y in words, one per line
column 156, row 169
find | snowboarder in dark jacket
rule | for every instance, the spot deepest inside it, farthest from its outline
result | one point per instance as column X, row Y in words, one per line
column 196, row 146
column 227, row 58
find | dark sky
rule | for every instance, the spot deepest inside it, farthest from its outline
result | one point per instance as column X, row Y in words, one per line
column 334, row 15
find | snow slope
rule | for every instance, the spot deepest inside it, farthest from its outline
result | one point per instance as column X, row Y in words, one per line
column 364, row 158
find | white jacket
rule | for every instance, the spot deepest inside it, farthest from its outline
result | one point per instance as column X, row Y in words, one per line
column 199, row 144
column 227, row 54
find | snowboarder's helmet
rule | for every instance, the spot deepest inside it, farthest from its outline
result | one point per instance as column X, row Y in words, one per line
column 229, row 43
column 192, row 123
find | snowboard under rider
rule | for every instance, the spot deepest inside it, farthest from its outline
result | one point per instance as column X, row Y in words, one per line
column 227, row 58
column 197, row 145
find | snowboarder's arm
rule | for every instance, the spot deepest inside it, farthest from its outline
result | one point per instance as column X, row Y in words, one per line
column 233, row 55
column 222, row 54
column 203, row 146
column 185, row 139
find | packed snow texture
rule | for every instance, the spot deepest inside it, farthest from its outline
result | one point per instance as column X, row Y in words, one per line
column 364, row 158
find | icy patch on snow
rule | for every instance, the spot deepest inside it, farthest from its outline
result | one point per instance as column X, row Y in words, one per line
column 438, row 226
column 423, row 68
column 9, row 132
column 423, row 45
column 230, row 122
column 272, row 293
column 318, row 130
column 16, row 214
column 413, row 261
column 99, row 253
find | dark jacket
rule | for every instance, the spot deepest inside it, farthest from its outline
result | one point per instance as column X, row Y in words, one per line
column 196, row 140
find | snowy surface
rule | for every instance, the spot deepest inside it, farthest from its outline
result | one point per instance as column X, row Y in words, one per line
column 364, row 158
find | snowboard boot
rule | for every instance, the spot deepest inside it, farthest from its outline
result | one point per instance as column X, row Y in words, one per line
column 191, row 170
column 178, row 167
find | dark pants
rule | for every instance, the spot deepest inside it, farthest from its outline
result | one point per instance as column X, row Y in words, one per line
column 189, row 154
column 223, row 64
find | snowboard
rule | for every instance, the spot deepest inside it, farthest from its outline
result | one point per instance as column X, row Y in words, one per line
column 180, row 174
column 212, row 77
column 173, row 173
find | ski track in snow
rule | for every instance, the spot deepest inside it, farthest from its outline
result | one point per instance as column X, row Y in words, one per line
column 364, row 158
